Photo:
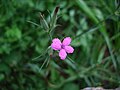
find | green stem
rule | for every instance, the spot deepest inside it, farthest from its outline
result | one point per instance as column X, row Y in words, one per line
column 50, row 36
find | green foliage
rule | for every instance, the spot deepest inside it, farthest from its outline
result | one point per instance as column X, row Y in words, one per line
column 94, row 26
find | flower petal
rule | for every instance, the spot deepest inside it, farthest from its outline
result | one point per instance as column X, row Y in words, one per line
column 66, row 41
column 62, row 54
column 56, row 46
column 69, row 49
column 56, row 40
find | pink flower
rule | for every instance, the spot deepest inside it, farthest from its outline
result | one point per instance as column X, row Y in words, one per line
column 64, row 47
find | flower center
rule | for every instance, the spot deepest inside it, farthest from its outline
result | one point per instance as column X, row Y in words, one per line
column 63, row 46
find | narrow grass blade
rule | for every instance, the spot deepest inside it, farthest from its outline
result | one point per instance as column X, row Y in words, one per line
column 44, row 52
column 34, row 23
column 43, row 63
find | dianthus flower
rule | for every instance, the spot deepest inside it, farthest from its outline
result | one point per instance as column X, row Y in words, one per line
column 63, row 47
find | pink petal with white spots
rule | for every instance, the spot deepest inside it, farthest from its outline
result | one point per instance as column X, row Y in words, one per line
column 69, row 49
column 62, row 54
column 56, row 46
column 56, row 40
column 66, row 41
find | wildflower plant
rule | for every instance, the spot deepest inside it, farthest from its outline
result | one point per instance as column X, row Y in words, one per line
column 63, row 47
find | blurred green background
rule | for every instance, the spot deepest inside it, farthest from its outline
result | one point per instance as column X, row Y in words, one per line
column 94, row 26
